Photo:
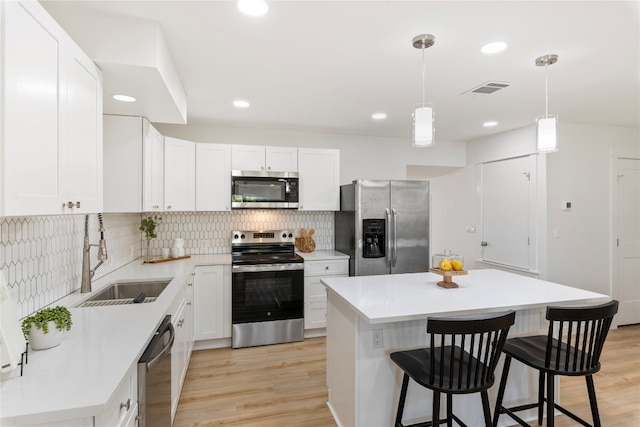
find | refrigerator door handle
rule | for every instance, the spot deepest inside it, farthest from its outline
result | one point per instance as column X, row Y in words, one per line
column 388, row 256
column 394, row 213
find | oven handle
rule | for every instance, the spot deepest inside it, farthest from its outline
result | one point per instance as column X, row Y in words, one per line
column 267, row 267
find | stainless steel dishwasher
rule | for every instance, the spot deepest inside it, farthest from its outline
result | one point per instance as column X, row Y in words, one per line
column 154, row 378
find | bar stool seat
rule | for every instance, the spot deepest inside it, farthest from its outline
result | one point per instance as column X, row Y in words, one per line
column 461, row 359
column 572, row 347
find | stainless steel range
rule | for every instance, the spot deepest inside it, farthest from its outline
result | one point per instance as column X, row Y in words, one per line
column 267, row 297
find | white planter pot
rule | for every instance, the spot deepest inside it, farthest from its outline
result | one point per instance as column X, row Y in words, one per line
column 38, row 340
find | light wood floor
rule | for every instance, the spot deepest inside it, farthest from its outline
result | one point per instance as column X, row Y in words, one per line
column 284, row 385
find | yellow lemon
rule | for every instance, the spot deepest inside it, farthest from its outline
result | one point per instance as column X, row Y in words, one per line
column 445, row 265
column 456, row 264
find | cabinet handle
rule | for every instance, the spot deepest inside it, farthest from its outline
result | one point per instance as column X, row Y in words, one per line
column 168, row 206
column 268, row 167
column 126, row 405
column 326, row 267
column 70, row 204
column 261, row 168
column 188, row 303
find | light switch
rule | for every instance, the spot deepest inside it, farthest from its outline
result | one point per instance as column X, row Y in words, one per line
column 566, row 206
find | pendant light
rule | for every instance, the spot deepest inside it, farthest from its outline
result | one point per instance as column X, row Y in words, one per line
column 547, row 125
column 423, row 130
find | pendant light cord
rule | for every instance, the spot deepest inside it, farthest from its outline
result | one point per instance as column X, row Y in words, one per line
column 423, row 75
column 546, row 90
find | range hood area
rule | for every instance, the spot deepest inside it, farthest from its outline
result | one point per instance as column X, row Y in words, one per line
column 134, row 59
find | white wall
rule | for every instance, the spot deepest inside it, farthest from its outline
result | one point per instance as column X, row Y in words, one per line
column 361, row 157
column 581, row 171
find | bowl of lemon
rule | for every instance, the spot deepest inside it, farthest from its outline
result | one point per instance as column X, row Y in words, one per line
column 448, row 264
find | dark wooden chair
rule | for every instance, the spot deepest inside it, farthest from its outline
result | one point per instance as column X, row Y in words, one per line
column 572, row 347
column 461, row 359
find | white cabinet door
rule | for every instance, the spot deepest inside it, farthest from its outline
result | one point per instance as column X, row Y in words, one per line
column 178, row 358
column 264, row 159
column 319, row 171
column 83, row 185
column 31, row 106
column 209, row 305
column 122, row 163
column 281, row 159
column 247, row 157
column 213, row 177
column 152, row 168
column 179, row 175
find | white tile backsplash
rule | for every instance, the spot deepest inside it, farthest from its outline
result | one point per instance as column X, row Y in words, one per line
column 42, row 256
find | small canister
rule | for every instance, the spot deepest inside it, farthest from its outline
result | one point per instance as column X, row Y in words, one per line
column 447, row 261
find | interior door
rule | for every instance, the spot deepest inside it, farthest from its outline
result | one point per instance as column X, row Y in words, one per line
column 628, row 241
column 506, row 209
column 410, row 226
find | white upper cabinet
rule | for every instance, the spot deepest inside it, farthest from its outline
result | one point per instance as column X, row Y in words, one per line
column 122, row 163
column 152, row 168
column 47, row 81
column 133, row 165
column 264, row 159
column 179, row 175
column 213, row 177
column 84, row 134
column 319, row 172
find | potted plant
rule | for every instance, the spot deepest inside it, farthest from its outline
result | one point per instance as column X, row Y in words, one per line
column 45, row 328
column 148, row 226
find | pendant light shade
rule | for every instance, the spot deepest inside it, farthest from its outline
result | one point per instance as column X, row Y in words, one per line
column 423, row 117
column 547, row 134
column 547, row 125
column 423, row 125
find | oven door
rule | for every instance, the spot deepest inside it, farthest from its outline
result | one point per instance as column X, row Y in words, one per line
column 267, row 292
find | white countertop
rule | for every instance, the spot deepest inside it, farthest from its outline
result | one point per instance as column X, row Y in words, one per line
column 401, row 297
column 77, row 378
column 322, row 255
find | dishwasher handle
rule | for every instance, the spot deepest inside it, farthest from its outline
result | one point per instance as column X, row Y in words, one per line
column 166, row 349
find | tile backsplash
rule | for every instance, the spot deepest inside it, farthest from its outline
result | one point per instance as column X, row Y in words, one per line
column 41, row 256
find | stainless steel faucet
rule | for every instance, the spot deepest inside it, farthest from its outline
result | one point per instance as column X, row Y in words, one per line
column 87, row 271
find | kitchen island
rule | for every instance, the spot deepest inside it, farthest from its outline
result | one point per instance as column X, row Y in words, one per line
column 368, row 317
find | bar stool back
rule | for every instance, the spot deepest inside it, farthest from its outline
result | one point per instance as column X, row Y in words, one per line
column 572, row 346
column 461, row 359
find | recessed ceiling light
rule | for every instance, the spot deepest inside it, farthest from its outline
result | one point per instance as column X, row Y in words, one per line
column 239, row 103
column 253, row 7
column 494, row 47
column 124, row 98
column 490, row 124
column 379, row 116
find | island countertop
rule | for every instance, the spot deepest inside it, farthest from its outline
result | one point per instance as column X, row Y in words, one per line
column 396, row 298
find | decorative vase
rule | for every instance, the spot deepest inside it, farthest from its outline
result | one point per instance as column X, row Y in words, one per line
column 147, row 255
column 38, row 340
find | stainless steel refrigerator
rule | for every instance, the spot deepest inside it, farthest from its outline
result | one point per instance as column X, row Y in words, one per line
column 384, row 226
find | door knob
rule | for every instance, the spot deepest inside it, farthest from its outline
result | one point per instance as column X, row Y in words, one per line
column 483, row 243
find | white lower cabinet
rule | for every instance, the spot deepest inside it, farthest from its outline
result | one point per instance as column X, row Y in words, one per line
column 182, row 322
column 315, row 294
column 122, row 409
column 212, row 296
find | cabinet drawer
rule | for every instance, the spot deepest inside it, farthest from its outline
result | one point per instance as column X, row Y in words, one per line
column 315, row 315
column 326, row 268
column 314, row 290
column 123, row 403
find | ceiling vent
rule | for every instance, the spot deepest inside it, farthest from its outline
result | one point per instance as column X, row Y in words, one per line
column 488, row 88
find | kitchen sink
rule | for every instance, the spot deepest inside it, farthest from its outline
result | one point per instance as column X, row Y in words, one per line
column 131, row 292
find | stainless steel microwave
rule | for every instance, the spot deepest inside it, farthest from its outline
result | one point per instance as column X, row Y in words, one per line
column 264, row 190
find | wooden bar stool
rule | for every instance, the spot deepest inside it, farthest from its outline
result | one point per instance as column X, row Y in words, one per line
column 571, row 347
column 461, row 359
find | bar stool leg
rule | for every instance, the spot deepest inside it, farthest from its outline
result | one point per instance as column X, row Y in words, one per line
column 541, row 385
column 403, row 396
column 485, row 408
column 503, row 384
column 449, row 410
column 550, row 400
column 436, row 408
column 592, row 401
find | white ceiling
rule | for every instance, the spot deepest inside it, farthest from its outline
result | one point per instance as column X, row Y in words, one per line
column 328, row 65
